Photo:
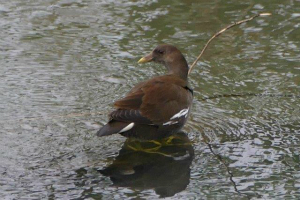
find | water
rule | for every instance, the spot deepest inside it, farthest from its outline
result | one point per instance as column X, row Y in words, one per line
column 63, row 63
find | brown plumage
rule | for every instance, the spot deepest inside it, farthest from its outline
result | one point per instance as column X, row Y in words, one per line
column 158, row 107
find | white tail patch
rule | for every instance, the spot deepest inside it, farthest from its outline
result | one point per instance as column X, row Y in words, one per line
column 127, row 128
column 183, row 112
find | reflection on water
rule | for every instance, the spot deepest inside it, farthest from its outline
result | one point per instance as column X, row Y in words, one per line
column 162, row 165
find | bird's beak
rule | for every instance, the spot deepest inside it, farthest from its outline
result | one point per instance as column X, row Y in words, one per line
column 147, row 58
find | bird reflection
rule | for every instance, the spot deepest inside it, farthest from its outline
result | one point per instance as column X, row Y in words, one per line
column 162, row 165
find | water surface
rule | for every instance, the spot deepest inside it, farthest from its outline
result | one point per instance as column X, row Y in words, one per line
column 63, row 63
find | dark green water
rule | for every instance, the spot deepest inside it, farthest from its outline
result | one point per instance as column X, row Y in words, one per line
column 63, row 63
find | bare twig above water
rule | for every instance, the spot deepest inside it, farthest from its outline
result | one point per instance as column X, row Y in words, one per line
column 220, row 32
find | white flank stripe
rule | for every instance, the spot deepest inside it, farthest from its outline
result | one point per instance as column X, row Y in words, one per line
column 181, row 113
column 127, row 128
column 170, row 123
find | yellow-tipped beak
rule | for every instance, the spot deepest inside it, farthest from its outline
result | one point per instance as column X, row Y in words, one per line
column 145, row 59
column 142, row 60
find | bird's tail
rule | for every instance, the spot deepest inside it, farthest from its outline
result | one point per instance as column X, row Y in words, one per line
column 112, row 127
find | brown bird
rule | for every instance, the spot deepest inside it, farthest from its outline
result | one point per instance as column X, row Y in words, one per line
column 158, row 107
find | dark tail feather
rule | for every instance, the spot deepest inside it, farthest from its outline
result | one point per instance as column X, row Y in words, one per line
column 111, row 127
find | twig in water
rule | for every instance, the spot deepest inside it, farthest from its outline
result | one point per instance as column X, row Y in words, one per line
column 249, row 94
column 227, row 169
column 220, row 32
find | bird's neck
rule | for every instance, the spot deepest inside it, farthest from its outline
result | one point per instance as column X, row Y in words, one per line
column 178, row 67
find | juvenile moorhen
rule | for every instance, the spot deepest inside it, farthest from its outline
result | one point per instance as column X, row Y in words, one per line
column 158, row 107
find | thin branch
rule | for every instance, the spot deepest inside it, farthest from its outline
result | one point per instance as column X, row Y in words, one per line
column 219, row 157
column 226, row 166
column 220, row 32
column 249, row 94
column 74, row 115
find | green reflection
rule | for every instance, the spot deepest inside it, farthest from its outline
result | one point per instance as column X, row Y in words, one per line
column 162, row 165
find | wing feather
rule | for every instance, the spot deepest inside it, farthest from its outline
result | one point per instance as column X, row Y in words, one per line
column 154, row 101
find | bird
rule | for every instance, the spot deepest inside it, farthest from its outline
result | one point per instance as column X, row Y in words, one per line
column 158, row 107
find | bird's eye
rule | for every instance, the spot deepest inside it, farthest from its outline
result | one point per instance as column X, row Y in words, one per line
column 159, row 51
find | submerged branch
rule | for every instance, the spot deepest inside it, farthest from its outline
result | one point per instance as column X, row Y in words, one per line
column 219, row 157
column 74, row 115
column 248, row 94
column 226, row 166
column 220, row 32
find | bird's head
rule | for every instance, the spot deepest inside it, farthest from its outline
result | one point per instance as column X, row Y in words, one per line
column 169, row 56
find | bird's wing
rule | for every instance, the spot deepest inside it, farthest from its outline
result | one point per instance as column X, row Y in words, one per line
column 164, row 100
column 130, row 116
column 128, row 108
column 155, row 102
